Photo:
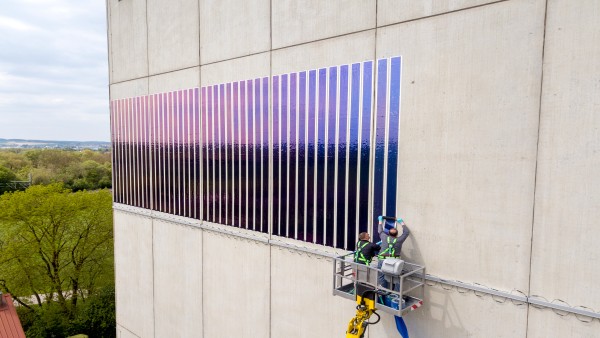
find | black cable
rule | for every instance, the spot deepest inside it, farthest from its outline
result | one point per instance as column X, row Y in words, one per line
column 362, row 296
column 378, row 319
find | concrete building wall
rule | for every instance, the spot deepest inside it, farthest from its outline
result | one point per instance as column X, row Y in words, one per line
column 564, row 262
column 469, row 136
column 128, row 41
column 230, row 29
column 173, row 35
column 134, row 273
column 178, row 283
column 497, row 176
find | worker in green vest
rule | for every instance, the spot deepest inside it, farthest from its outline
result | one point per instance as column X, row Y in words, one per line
column 391, row 243
column 365, row 250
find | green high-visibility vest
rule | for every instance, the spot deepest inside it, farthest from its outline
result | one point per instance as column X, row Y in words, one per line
column 359, row 257
column 390, row 250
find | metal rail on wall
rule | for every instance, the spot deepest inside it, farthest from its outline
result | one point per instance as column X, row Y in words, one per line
column 533, row 300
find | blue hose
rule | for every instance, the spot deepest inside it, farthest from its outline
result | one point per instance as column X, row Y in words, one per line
column 401, row 326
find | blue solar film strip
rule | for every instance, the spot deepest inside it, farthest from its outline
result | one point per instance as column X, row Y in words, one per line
column 204, row 152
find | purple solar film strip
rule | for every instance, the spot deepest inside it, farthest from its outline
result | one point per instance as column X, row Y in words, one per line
column 380, row 111
column 301, row 229
column 292, row 216
column 276, row 157
column 204, row 152
column 331, row 237
column 265, row 154
column 251, row 159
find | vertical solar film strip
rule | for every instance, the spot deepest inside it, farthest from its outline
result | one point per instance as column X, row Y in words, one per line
column 122, row 118
column 114, row 149
column 197, row 154
column 144, row 175
column 129, row 153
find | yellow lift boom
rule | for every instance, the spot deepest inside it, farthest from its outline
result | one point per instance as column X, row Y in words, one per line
column 365, row 298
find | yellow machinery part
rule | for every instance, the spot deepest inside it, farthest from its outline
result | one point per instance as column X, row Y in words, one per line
column 358, row 324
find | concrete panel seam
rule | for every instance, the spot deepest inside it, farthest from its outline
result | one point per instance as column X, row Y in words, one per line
column 234, row 58
column 533, row 300
column 440, row 14
column 153, row 285
column 277, row 49
column 202, row 136
column 129, row 80
column 319, row 254
column 171, row 71
column 537, row 152
column 303, row 43
column 539, row 301
column 128, row 330
column 108, row 45
column 132, row 210
column 246, row 239
column 376, row 17
column 184, row 221
column 147, row 41
column 199, row 35
column 325, row 39
column 202, row 282
column 270, row 166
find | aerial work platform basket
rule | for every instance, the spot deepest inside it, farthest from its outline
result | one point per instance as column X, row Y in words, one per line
column 405, row 292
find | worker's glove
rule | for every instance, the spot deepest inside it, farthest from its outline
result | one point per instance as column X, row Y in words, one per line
column 400, row 220
column 380, row 219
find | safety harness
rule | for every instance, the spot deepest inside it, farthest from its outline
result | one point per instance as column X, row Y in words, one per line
column 359, row 257
column 390, row 250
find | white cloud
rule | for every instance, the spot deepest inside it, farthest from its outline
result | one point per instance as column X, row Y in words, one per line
column 14, row 24
column 53, row 70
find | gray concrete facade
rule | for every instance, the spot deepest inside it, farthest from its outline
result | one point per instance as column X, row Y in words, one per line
column 497, row 178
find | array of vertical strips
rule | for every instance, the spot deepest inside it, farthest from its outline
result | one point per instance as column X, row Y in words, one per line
column 156, row 154
column 204, row 152
column 235, row 153
column 321, row 142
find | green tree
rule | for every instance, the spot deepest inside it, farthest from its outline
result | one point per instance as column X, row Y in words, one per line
column 55, row 245
column 6, row 176
column 97, row 317
column 77, row 170
column 15, row 161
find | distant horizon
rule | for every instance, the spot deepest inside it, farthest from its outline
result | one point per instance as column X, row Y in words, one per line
column 39, row 140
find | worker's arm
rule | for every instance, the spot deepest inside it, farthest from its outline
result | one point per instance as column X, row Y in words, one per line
column 405, row 233
column 380, row 225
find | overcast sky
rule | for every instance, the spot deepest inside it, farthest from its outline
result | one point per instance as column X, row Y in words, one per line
column 53, row 70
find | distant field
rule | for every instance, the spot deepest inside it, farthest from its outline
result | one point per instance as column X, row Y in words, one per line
column 20, row 143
